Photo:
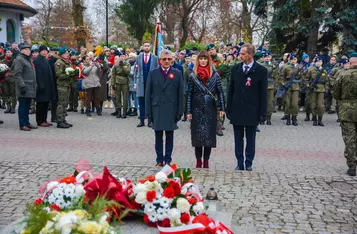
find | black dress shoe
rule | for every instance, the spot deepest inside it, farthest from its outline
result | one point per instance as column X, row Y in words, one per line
column 249, row 169
column 32, row 127
column 25, row 128
column 150, row 125
column 12, row 111
column 114, row 113
column 62, row 125
column 239, row 168
column 140, row 125
column 1, row 122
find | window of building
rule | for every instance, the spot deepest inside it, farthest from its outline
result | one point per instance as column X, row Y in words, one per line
column 10, row 31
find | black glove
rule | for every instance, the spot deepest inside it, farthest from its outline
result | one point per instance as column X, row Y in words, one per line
column 23, row 90
column 178, row 118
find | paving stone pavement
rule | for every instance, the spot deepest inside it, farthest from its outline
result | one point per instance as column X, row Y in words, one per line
column 298, row 184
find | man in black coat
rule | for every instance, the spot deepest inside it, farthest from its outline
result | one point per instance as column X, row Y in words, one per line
column 247, row 104
column 164, row 105
column 45, row 86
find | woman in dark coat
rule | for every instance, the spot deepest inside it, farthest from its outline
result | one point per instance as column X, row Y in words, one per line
column 203, row 94
column 46, row 88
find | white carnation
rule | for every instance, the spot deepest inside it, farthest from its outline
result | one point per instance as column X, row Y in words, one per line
column 199, row 208
column 183, row 205
column 141, row 198
column 161, row 177
column 174, row 214
column 175, row 222
column 139, row 188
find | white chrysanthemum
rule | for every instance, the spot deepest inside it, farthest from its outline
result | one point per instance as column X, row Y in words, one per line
column 51, row 199
column 66, row 221
column 141, row 198
column 51, row 185
column 162, row 214
column 175, row 222
column 199, row 208
column 161, row 177
column 165, row 202
column 149, row 208
column 152, row 217
column 68, row 192
column 139, row 188
column 174, row 214
column 183, row 205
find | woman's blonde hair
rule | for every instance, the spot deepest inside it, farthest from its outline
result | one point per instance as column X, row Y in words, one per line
column 204, row 54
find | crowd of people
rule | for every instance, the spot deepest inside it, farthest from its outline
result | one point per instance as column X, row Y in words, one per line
column 238, row 82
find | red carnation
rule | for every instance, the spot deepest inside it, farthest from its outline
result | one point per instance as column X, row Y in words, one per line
column 38, row 202
column 176, row 187
column 150, row 196
column 192, row 200
column 169, row 192
column 165, row 223
column 146, row 219
column 55, row 207
column 185, row 218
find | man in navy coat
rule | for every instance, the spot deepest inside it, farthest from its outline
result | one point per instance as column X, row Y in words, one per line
column 164, row 105
column 247, row 104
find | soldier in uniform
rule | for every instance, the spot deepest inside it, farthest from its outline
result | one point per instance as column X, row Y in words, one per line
column 272, row 73
column 304, row 93
column 317, row 78
column 290, row 79
column 73, row 93
column 9, row 83
column 120, row 84
column 63, row 87
column 345, row 91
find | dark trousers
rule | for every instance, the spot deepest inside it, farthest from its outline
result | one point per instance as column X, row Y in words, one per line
column 92, row 96
column 205, row 150
column 23, row 112
column 53, row 110
column 41, row 112
column 142, row 109
column 159, row 146
column 250, row 133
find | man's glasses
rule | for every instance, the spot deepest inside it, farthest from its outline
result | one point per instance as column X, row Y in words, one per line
column 166, row 59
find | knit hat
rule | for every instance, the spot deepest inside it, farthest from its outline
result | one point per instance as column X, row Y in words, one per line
column 43, row 47
column 98, row 51
column 122, row 53
column 305, row 56
column 62, row 50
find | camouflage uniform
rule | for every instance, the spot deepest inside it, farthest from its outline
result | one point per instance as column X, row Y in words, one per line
column 317, row 93
column 332, row 79
column 120, row 83
column 272, row 74
column 9, row 87
column 63, row 86
column 291, row 99
column 345, row 91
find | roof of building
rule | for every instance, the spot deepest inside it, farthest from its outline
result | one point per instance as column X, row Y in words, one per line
column 19, row 6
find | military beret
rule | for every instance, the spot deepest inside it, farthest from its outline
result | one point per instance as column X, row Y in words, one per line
column 257, row 55
column 237, row 47
column 54, row 49
column 353, row 55
column 292, row 56
column 260, row 48
column 2, row 44
column 194, row 49
column 241, row 43
column 113, row 47
column 305, row 56
column 266, row 53
column 229, row 44
column 62, row 50
column 230, row 55
column 210, row 46
column 343, row 60
column 318, row 58
column 187, row 55
column 122, row 53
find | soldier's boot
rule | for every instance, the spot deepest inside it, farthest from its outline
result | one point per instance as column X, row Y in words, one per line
column 269, row 120
column 351, row 171
column 88, row 113
column 219, row 131
column 262, row 122
column 129, row 112
column 82, row 111
column 12, row 111
column 314, row 120
column 295, row 123
column 320, row 122
column 119, row 113
column 99, row 111
column 114, row 113
column 32, row 111
column 307, row 117
column 62, row 125
column 134, row 112
column 8, row 109
column 280, row 108
column 285, row 117
column 70, row 125
column 288, row 120
column 124, row 115
column 75, row 109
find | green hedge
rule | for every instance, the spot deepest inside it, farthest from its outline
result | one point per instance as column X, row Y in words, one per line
column 199, row 46
column 46, row 43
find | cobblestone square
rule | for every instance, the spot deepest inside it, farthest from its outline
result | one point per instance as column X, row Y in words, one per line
column 298, row 183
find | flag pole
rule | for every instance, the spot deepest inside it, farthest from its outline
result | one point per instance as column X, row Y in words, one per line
column 155, row 38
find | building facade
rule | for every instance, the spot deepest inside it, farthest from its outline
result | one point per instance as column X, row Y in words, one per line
column 12, row 13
